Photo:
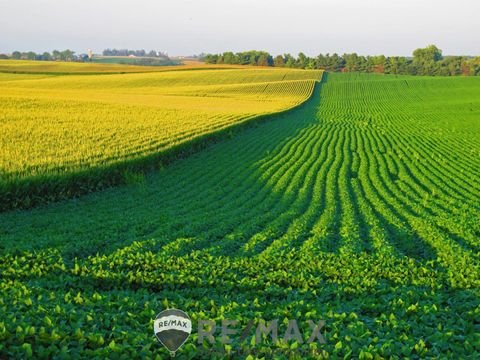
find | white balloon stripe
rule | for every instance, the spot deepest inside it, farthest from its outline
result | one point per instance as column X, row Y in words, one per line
column 172, row 322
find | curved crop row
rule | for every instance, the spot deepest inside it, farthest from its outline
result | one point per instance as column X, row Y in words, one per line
column 360, row 208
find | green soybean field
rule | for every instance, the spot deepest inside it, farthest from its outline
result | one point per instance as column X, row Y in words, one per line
column 360, row 207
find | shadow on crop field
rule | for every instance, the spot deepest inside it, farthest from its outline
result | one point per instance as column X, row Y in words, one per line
column 285, row 185
column 296, row 215
column 275, row 187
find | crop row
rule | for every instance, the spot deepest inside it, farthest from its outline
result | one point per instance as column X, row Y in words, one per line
column 352, row 209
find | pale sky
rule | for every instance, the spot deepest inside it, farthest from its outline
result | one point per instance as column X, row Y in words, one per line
column 185, row 27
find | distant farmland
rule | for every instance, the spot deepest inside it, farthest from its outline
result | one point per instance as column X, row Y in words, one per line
column 127, row 60
column 360, row 206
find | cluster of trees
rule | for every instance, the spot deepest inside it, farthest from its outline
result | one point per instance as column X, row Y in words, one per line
column 258, row 58
column 69, row 55
column 65, row 55
column 138, row 53
column 425, row 61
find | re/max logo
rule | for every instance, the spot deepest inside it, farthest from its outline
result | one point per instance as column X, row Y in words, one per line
column 170, row 323
column 207, row 330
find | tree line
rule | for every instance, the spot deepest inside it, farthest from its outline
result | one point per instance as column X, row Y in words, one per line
column 425, row 61
column 137, row 53
column 69, row 55
column 65, row 55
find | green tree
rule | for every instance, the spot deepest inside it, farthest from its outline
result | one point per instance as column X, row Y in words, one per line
column 67, row 55
column 279, row 61
column 56, row 55
column 352, row 62
column 46, row 56
column 425, row 60
column 262, row 60
column 430, row 53
column 336, row 63
column 289, row 60
column 229, row 57
column 302, row 61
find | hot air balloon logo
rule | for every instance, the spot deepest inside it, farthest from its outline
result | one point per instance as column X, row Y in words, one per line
column 172, row 328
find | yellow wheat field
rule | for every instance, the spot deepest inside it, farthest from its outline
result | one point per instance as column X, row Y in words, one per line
column 52, row 125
